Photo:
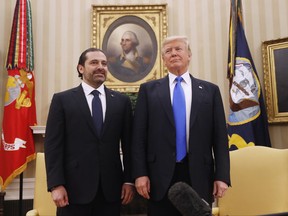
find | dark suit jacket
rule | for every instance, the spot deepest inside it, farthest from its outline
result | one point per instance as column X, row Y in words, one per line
column 153, row 145
column 76, row 157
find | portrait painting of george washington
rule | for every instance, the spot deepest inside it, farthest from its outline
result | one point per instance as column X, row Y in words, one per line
column 131, row 47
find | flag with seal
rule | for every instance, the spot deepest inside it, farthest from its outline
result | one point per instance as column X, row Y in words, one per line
column 17, row 144
column 247, row 121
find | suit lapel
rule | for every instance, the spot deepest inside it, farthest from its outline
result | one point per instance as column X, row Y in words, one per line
column 110, row 98
column 165, row 98
column 198, row 93
column 83, row 105
column 197, row 97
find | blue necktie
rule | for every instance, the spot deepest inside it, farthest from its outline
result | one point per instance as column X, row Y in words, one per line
column 179, row 109
column 97, row 113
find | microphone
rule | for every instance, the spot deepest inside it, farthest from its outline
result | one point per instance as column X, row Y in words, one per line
column 187, row 201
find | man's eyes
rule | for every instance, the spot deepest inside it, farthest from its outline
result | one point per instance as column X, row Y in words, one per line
column 176, row 49
column 168, row 51
column 96, row 63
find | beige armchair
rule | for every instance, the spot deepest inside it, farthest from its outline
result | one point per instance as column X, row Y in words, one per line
column 43, row 204
column 259, row 177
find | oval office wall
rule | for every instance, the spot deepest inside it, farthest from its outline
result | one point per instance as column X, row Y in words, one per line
column 61, row 31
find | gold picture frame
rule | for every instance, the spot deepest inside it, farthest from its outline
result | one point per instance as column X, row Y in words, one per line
column 275, row 65
column 149, row 24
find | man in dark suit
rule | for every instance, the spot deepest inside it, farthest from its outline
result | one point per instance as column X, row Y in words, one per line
column 205, row 164
column 84, row 168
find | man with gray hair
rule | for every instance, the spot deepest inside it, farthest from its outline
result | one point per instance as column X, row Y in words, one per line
column 167, row 147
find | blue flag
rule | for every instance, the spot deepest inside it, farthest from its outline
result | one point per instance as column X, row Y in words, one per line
column 247, row 122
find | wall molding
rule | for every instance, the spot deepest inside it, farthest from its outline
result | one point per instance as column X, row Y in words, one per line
column 38, row 129
column 12, row 190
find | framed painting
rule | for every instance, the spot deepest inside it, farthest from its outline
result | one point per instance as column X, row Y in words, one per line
column 131, row 36
column 275, row 64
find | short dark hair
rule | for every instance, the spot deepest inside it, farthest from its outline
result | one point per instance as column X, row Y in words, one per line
column 83, row 58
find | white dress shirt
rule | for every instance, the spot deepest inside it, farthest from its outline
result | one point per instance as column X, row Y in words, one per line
column 88, row 89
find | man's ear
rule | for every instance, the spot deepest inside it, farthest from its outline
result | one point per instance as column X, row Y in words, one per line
column 190, row 56
column 162, row 56
column 80, row 68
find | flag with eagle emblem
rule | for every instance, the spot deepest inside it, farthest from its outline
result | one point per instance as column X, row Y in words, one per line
column 247, row 121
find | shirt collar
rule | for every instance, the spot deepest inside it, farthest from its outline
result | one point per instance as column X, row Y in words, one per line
column 88, row 89
column 185, row 76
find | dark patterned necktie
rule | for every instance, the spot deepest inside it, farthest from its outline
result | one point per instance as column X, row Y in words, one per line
column 97, row 112
column 179, row 109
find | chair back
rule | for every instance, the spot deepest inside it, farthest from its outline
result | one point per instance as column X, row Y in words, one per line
column 259, row 178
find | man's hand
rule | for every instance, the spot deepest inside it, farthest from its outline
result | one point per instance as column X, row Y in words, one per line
column 219, row 189
column 127, row 194
column 142, row 185
column 59, row 196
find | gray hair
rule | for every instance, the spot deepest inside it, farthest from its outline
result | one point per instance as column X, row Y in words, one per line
column 183, row 39
column 133, row 37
